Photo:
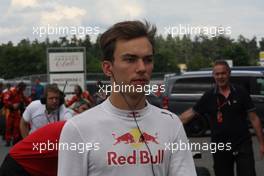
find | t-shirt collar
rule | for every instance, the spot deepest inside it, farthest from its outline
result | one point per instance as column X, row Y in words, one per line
column 216, row 89
column 127, row 114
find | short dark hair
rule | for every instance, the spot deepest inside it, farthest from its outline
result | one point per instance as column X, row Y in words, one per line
column 79, row 88
column 51, row 88
column 125, row 30
column 21, row 85
column 222, row 62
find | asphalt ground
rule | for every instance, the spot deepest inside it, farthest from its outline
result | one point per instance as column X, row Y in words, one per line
column 207, row 160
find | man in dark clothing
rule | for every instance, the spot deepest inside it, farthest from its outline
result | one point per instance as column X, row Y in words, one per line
column 37, row 90
column 228, row 107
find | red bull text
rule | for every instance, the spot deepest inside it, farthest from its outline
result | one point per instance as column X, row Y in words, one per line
column 136, row 157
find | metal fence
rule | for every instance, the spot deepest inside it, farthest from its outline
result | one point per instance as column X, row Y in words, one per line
column 91, row 78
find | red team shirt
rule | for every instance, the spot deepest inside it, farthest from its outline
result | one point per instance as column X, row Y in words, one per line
column 27, row 152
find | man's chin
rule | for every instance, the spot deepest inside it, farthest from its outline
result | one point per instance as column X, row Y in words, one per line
column 135, row 94
column 54, row 108
column 222, row 84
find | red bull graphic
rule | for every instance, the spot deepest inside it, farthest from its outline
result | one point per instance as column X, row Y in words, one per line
column 143, row 155
column 135, row 139
column 145, row 137
column 127, row 138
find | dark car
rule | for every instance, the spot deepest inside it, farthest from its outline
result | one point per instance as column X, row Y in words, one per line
column 247, row 68
column 183, row 91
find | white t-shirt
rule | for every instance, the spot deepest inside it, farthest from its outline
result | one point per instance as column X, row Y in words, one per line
column 36, row 114
column 115, row 147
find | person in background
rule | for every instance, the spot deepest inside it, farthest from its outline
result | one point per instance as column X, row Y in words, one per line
column 37, row 90
column 4, row 110
column 15, row 102
column 49, row 109
column 2, row 117
column 79, row 98
column 7, row 87
column 229, row 107
column 100, row 94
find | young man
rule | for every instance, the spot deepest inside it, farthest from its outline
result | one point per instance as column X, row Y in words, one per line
column 41, row 112
column 131, row 133
column 228, row 107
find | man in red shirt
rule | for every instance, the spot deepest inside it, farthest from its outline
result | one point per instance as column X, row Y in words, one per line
column 79, row 98
column 14, row 101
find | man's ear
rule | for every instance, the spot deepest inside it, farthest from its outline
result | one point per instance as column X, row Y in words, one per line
column 107, row 68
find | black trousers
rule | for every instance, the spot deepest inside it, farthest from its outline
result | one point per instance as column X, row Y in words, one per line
column 243, row 157
column 2, row 125
column 11, row 168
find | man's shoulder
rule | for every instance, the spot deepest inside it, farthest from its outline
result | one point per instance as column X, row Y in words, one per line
column 35, row 104
column 35, row 108
column 66, row 111
column 167, row 121
column 209, row 93
column 63, row 108
column 88, row 120
column 164, row 115
column 238, row 88
column 91, row 115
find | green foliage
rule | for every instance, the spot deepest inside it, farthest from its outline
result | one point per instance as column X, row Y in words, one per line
column 29, row 57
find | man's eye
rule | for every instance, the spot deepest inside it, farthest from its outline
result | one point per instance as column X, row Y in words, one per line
column 130, row 59
column 148, row 59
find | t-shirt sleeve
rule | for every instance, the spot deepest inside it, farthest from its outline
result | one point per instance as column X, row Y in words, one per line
column 71, row 162
column 201, row 105
column 181, row 163
column 66, row 113
column 27, row 114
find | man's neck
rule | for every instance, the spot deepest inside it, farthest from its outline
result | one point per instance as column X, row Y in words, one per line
column 127, row 102
column 224, row 90
column 49, row 111
column 79, row 96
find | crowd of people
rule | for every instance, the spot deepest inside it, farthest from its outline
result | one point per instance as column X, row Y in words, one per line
column 21, row 114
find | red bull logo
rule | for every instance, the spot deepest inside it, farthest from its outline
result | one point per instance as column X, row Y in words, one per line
column 143, row 158
column 127, row 138
column 145, row 137
column 135, row 138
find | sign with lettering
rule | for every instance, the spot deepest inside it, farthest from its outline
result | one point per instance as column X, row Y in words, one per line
column 71, row 79
column 66, row 62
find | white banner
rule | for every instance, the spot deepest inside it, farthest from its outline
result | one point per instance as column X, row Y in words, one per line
column 66, row 62
column 72, row 79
